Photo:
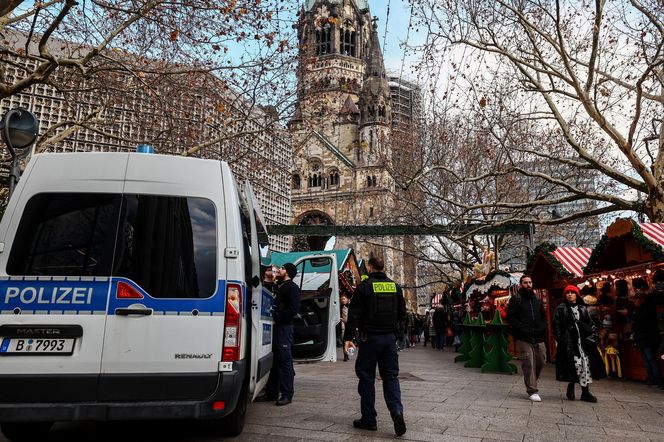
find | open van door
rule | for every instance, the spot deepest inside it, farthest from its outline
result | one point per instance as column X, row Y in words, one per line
column 262, row 300
column 314, row 334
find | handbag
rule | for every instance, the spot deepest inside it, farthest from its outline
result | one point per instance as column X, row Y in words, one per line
column 448, row 332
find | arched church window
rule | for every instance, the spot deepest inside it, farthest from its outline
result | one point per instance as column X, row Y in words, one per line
column 373, row 181
column 334, row 178
column 324, row 40
column 368, row 181
column 315, row 180
column 381, row 111
column 296, row 181
column 347, row 41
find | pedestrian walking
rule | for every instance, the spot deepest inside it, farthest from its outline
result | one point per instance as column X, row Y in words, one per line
column 426, row 327
column 645, row 327
column 578, row 360
column 432, row 329
column 418, row 329
column 441, row 320
column 526, row 316
column 344, row 320
column 280, row 386
column 375, row 311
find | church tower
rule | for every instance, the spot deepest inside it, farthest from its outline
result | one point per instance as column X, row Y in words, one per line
column 341, row 126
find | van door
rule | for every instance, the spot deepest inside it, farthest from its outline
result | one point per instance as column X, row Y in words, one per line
column 168, row 292
column 262, row 300
column 315, row 331
column 55, row 276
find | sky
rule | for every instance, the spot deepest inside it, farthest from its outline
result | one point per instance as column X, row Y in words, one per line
column 397, row 30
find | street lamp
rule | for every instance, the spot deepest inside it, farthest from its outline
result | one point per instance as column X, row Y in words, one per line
column 19, row 128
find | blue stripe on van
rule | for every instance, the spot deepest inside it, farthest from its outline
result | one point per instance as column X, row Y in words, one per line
column 267, row 305
column 88, row 295
column 214, row 305
column 43, row 295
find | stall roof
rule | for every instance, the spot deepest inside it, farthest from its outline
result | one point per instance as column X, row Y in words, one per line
column 495, row 279
column 645, row 241
column 654, row 232
column 574, row 259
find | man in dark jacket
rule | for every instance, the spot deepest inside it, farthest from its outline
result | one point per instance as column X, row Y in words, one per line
column 287, row 306
column 441, row 320
column 645, row 329
column 376, row 310
column 527, row 318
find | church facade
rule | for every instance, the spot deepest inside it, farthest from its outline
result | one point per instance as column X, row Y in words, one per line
column 341, row 130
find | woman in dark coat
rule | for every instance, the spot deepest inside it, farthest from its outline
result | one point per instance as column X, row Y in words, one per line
column 577, row 359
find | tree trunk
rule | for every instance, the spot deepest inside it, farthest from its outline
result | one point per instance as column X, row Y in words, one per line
column 654, row 206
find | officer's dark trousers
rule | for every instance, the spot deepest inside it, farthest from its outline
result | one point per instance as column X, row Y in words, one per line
column 282, row 373
column 381, row 350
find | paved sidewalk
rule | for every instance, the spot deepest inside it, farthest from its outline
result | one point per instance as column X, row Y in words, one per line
column 445, row 402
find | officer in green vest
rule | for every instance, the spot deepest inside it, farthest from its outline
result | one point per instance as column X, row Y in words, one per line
column 375, row 312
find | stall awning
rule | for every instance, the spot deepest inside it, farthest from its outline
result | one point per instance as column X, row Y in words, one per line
column 574, row 259
column 654, row 232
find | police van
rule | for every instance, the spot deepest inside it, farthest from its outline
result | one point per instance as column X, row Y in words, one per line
column 130, row 288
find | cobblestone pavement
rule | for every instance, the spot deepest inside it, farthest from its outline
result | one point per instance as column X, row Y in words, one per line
column 442, row 400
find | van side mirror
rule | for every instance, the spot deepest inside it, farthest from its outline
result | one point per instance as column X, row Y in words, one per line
column 255, row 281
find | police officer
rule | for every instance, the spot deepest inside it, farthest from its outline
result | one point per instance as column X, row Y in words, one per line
column 287, row 306
column 376, row 310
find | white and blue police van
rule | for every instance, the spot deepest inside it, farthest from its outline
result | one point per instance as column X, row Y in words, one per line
column 130, row 289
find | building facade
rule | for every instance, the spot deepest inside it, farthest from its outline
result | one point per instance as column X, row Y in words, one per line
column 342, row 132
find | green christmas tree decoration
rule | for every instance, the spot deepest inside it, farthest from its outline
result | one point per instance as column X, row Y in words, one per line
column 465, row 341
column 476, row 343
column 497, row 358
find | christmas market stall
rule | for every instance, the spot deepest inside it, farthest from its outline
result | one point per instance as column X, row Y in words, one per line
column 620, row 266
column 484, row 340
column 552, row 268
column 487, row 294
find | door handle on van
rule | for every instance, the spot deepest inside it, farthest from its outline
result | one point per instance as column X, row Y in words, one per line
column 133, row 311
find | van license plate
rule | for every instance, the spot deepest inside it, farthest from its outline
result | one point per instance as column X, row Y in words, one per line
column 36, row 346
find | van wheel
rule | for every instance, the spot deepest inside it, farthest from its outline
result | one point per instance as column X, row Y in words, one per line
column 28, row 431
column 233, row 424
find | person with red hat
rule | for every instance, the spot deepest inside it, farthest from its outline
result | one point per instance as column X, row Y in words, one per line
column 578, row 360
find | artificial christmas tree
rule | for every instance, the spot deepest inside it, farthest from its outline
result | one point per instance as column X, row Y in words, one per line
column 496, row 358
column 476, row 354
column 465, row 341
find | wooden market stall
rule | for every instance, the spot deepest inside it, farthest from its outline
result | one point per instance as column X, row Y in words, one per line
column 489, row 294
column 552, row 268
column 627, row 252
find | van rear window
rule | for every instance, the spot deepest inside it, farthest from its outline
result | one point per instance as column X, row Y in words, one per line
column 65, row 235
column 167, row 245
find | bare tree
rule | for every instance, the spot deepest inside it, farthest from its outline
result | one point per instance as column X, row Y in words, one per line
column 557, row 89
column 191, row 73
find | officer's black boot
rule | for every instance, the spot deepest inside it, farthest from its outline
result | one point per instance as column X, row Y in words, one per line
column 570, row 391
column 284, row 400
column 399, row 423
column 362, row 425
column 586, row 396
